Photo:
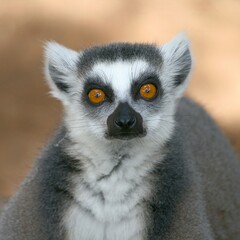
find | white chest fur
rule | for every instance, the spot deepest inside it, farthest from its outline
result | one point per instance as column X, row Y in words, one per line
column 110, row 208
column 109, row 195
column 81, row 225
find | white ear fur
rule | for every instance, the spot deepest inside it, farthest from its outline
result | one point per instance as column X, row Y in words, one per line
column 177, row 63
column 60, row 69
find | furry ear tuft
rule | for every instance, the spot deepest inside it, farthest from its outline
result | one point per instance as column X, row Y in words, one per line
column 177, row 61
column 60, row 68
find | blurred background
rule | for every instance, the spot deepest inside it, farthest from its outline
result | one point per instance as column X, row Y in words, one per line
column 28, row 115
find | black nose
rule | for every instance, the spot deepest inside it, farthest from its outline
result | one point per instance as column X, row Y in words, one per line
column 125, row 122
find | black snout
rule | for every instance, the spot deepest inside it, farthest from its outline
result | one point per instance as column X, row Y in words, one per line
column 125, row 123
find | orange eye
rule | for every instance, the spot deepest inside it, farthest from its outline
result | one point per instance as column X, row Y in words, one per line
column 148, row 91
column 96, row 96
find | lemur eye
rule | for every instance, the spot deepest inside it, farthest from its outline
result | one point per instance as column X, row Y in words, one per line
column 96, row 96
column 148, row 91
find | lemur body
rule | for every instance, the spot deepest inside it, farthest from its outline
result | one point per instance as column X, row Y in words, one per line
column 129, row 165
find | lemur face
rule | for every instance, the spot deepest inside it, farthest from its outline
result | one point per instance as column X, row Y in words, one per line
column 120, row 91
column 123, row 94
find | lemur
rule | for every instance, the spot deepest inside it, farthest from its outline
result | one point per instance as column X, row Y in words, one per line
column 133, row 158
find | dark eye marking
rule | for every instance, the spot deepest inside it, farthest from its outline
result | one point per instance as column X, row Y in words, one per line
column 97, row 83
column 144, row 79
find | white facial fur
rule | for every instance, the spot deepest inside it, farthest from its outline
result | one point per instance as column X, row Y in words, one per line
column 119, row 216
column 88, row 132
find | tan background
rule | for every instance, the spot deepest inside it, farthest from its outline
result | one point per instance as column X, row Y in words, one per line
column 27, row 113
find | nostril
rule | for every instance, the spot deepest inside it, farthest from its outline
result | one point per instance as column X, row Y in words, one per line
column 118, row 123
column 125, row 122
column 131, row 122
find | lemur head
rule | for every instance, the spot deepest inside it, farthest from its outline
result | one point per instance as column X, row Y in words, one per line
column 120, row 92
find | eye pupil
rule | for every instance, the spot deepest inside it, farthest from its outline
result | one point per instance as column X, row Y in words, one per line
column 147, row 90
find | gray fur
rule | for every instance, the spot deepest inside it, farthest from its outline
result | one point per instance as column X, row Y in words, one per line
column 118, row 51
column 196, row 196
column 190, row 181
column 208, row 196
column 47, row 191
column 58, row 78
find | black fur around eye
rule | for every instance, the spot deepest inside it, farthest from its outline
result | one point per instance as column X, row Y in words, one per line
column 96, row 84
column 141, row 87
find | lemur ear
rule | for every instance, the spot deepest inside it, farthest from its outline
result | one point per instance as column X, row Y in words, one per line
column 177, row 62
column 60, row 69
